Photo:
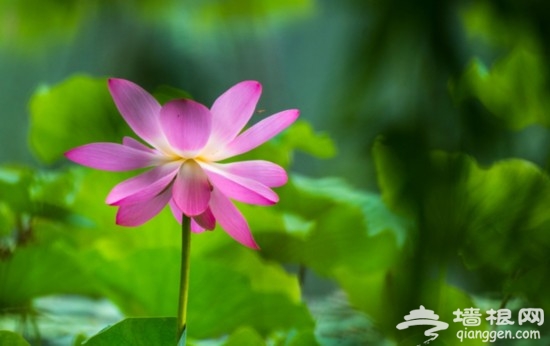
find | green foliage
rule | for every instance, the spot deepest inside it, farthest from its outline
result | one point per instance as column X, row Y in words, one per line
column 145, row 283
column 138, row 269
column 238, row 300
column 495, row 216
column 165, row 93
column 33, row 26
column 513, row 86
column 206, row 17
column 244, row 336
column 12, row 339
column 35, row 209
column 488, row 222
column 348, row 236
column 29, row 22
column 327, row 215
column 39, row 270
column 43, row 194
column 482, row 21
column 84, row 113
column 299, row 137
column 514, row 89
column 445, row 231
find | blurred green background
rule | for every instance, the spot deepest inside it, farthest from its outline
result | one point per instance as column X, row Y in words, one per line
column 419, row 169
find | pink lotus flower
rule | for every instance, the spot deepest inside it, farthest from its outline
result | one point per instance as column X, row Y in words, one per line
column 186, row 140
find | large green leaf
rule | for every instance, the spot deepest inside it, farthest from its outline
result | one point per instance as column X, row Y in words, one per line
column 234, row 301
column 137, row 332
column 301, row 136
column 321, row 216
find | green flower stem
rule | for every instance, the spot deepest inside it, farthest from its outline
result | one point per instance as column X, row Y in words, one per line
column 184, row 279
